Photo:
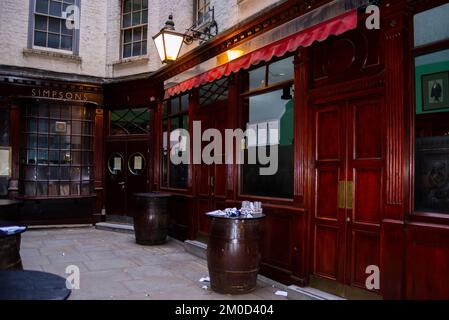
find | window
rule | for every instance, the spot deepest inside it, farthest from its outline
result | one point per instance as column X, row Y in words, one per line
column 134, row 28
column 270, row 114
column 202, row 11
column 57, row 158
column 214, row 92
column 49, row 29
column 4, row 144
column 130, row 121
column 431, row 31
column 175, row 116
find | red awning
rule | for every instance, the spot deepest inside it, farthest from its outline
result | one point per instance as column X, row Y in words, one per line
column 304, row 38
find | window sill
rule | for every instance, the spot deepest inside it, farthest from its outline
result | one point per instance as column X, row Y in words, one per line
column 52, row 54
column 429, row 217
column 131, row 60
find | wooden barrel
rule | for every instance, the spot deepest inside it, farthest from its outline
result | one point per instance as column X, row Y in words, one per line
column 151, row 218
column 233, row 254
column 10, row 253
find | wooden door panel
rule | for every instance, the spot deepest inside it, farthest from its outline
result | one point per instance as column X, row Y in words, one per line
column 203, row 206
column 116, row 183
column 367, row 195
column 327, row 178
column 367, row 128
column 327, row 133
column 365, row 252
column 326, row 257
column 136, row 183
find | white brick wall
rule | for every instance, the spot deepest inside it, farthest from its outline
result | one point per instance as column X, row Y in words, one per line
column 100, row 34
column 14, row 39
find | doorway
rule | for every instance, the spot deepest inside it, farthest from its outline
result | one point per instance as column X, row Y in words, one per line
column 210, row 179
column 126, row 174
column 348, row 182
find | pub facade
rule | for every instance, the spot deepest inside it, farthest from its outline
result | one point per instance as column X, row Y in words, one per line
column 360, row 114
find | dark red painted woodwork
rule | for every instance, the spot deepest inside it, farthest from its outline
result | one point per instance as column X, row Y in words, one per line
column 121, row 187
column 348, row 147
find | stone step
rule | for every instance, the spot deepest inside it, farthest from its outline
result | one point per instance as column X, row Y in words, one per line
column 116, row 227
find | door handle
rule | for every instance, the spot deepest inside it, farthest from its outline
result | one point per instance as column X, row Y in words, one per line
column 342, row 195
column 345, row 195
column 350, row 196
column 121, row 183
column 348, row 219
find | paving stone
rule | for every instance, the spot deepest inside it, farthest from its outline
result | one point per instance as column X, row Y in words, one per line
column 113, row 267
column 107, row 264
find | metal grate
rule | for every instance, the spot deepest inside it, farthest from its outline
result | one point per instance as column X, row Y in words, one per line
column 130, row 121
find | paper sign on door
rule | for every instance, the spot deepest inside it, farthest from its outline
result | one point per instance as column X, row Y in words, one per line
column 137, row 163
column 117, row 164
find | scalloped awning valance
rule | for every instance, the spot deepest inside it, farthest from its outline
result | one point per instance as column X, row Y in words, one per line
column 319, row 32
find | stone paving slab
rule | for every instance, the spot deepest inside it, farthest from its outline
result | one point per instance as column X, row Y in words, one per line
column 114, row 267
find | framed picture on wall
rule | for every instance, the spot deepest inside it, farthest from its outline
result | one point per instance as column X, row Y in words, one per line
column 435, row 91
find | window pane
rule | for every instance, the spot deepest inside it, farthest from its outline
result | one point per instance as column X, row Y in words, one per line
column 272, row 118
column 126, row 51
column 432, row 133
column 54, row 25
column 137, row 34
column 42, row 6
column 55, row 8
column 144, row 4
column 432, row 25
column 280, row 71
column 257, row 78
column 66, row 31
column 175, row 106
column 137, row 49
column 40, row 23
column 185, row 102
column 144, row 47
column 53, row 40
column 126, row 20
column 145, row 16
column 137, row 5
column 66, row 42
column 127, row 6
column 136, row 18
column 127, row 36
column 40, row 39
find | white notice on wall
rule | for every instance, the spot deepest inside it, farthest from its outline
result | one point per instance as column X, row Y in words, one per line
column 273, row 129
column 137, row 163
column 252, row 135
column 117, row 164
column 262, row 134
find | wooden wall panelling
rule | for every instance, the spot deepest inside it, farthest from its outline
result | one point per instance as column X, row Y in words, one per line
column 15, row 135
column 99, row 156
column 302, row 158
column 427, row 262
column 279, row 251
column 394, row 26
column 394, row 33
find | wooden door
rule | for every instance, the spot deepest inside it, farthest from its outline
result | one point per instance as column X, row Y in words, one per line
column 211, row 178
column 348, row 151
column 116, row 178
column 127, row 173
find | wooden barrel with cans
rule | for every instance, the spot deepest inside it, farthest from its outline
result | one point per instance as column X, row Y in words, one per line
column 151, row 218
column 233, row 254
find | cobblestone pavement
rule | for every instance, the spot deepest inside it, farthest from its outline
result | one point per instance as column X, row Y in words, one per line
column 113, row 266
